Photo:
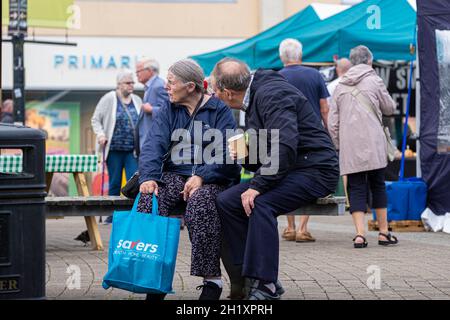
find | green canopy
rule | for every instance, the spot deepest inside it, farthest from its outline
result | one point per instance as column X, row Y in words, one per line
column 388, row 40
column 245, row 50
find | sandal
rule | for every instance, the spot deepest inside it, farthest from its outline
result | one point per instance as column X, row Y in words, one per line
column 304, row 237
column 288, row 235
column 390, row 239
column 360, row 245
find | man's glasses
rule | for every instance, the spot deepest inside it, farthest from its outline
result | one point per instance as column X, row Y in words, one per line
column 128, row 83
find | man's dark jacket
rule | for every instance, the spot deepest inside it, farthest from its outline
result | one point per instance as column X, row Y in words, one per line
column 304, row 143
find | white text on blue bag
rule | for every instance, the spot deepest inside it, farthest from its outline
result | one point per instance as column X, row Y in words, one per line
column 138, row 245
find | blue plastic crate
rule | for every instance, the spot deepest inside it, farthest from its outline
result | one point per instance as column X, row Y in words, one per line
column 407, row 199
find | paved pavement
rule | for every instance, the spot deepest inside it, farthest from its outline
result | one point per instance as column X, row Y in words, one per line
column 418, row 268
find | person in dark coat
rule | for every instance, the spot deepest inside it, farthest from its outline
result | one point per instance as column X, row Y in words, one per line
column 302, row 153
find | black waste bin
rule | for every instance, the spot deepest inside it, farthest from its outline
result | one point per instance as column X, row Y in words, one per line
column 22, row 213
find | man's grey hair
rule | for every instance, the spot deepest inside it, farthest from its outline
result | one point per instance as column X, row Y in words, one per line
column 187, row 70
column 361, row 55
column 291, row 50
column 151, row 64
column 124, row 74
column 237, row 77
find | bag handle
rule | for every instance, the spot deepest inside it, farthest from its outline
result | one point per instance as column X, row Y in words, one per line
column 155, row 207
column 136, row 202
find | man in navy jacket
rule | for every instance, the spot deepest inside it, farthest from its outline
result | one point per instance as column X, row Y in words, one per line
column 307, row 162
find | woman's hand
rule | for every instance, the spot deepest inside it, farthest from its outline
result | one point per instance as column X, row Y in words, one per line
column 149, row 187
column 193, row 184
column 248, row 200
column 102, row 141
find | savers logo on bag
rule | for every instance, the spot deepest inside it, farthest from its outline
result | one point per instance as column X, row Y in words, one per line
column 137, row 248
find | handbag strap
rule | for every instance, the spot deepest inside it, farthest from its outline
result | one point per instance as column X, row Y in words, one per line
column 125, row 107
column 137, row 148
column 364, row 101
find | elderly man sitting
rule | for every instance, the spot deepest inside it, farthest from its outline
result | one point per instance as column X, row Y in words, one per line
column 307, row 169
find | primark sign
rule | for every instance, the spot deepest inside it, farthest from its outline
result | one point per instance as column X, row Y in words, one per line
column 93, row 61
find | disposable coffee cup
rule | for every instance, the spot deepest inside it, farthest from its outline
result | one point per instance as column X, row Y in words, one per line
column 237, row 143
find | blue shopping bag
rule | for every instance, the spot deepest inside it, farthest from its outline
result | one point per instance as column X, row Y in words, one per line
column 142, row 251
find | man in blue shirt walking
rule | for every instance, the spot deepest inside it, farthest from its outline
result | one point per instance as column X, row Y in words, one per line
column 311, row 84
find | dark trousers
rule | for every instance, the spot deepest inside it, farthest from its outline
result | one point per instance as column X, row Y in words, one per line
column 362, row 185
column 201, row 218
column 253, row 240
column 116, row 162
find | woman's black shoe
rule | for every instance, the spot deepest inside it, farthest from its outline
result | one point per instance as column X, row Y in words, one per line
column 210, row 291
column 155, row 296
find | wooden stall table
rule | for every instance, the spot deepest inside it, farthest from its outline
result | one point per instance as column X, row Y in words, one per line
column 77, row 165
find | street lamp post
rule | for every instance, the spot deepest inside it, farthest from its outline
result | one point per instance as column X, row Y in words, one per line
column 17, row 29
column 19, row 79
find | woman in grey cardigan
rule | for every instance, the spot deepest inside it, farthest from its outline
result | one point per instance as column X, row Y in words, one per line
column 114, row 122
column 358, row 103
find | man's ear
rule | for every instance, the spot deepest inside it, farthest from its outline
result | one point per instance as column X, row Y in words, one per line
column 228, row 93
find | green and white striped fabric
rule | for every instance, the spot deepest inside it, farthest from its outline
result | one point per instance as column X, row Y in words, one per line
column 10, row 164
column 53, row 163
column 71, row 163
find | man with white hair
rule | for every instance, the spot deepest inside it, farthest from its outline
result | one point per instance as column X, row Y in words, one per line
column 311, row 84
column 114, row 122
column 155, row 95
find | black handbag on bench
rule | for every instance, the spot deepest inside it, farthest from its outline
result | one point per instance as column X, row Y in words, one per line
column 131, row 188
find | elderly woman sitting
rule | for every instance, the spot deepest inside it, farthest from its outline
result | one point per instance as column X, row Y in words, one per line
column 176, row 171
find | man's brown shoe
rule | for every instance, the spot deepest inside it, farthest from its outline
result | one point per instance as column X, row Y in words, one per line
column 304, row 237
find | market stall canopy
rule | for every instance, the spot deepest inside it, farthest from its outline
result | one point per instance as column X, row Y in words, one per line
column 385, row 26
column 244, row 50
column 45, row 13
